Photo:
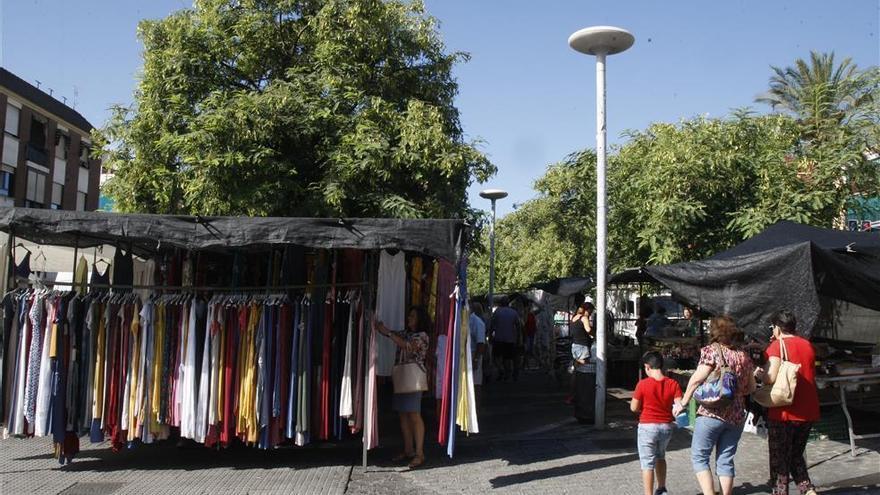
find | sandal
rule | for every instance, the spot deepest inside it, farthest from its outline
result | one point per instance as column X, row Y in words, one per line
column 417, row 461
column 403, row 456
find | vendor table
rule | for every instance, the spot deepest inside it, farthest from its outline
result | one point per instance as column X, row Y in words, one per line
column 842, row 382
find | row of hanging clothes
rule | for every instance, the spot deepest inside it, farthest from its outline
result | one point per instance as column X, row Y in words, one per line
column 261, row 369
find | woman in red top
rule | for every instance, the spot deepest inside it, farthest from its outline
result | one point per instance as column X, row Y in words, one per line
column 789, row 426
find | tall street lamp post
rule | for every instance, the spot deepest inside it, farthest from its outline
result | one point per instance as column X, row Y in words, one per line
column 600, row 41
column 493, row 195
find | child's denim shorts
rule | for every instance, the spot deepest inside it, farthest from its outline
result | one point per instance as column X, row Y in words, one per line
column 653, row 439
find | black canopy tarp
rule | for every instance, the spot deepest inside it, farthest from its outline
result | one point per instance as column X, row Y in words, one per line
column 566, row 286
column 636, row 275
column 149, row 233
column 788, row 266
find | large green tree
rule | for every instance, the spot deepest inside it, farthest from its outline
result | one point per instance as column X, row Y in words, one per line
column 677, row 192
column 293, row 107
column 685, row 191
column 547, row 237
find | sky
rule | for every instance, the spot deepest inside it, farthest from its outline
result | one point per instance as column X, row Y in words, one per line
column 527, row 96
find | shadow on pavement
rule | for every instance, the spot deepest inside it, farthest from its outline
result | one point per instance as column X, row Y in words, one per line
column 570, row 469
column 525, row 422
column 168, row 457
column 866, row 484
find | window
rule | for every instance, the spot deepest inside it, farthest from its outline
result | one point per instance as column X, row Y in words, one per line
column 62, row 145
column 12, row 116
column 7, row 183
column 36, row 148
column 84, row 154
column 36, row 189
column 38, row 132
column 57, row 194
column 81, row 199
column 10, row 150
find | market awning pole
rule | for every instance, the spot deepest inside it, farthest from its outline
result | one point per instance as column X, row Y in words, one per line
column 367, row 302
column 73, row 273
column 10, row 267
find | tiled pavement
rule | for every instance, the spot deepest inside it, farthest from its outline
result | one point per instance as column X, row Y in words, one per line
column 529, row 445
column 27, row 467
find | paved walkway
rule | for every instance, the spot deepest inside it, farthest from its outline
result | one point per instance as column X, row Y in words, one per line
column 529, row 445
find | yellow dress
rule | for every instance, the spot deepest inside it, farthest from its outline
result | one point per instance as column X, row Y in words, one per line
column 98, row 390
column 416, row 281
column 80, row 276
column 133, row 413
column 158, row 347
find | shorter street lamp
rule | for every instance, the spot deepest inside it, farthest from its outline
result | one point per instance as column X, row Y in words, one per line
column 492, row 195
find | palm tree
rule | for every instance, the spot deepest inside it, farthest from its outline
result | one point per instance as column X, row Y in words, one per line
column 819, row 93
column 836, row 106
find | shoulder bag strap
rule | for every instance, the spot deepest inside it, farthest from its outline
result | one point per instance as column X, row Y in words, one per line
column 402, row 355
column 720, row 350
column 783, row 352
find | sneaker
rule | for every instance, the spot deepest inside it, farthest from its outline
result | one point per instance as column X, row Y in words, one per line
column 661, row 491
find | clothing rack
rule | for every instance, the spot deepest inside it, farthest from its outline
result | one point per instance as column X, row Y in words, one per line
column 90, row 236
column 207, row 288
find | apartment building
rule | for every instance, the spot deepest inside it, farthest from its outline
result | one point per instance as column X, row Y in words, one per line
column 45, row 151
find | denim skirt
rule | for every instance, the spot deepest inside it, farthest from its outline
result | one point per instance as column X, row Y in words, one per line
column 411, row 402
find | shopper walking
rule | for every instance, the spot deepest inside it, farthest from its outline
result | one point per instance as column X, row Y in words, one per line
column 721, row 426
column 653, row 400
column 505, row 325
column 789, row 426
column 412, row 347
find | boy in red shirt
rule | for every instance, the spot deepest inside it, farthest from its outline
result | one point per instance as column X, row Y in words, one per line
column 654, row 397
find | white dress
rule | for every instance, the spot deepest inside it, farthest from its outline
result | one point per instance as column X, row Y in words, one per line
column 390, row 306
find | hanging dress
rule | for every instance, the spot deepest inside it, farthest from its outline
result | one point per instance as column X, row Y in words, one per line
column 390, row 306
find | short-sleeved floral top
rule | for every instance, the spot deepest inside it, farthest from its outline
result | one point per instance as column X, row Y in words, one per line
column 742, row 367
column 419, row 342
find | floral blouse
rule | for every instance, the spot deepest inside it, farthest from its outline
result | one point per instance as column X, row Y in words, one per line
column 742, row 367
column 419, row 343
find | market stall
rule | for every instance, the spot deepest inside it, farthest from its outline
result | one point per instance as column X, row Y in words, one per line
column 551, row 298
column 787, row 266
column 802, row 269
column 678, row 341
column 842, row 384
column 222, row 329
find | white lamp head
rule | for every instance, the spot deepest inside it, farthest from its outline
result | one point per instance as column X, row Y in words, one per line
column 493, row 194
column 597, row 40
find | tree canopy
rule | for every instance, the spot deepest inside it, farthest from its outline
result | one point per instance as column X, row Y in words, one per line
column 678, row 192
column 293, row 107
column 685, row 191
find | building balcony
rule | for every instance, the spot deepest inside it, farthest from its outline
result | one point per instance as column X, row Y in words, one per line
column 38, row 156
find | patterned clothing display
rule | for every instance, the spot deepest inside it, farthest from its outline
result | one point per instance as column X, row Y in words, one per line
column 285, row 364
column 227, row 367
